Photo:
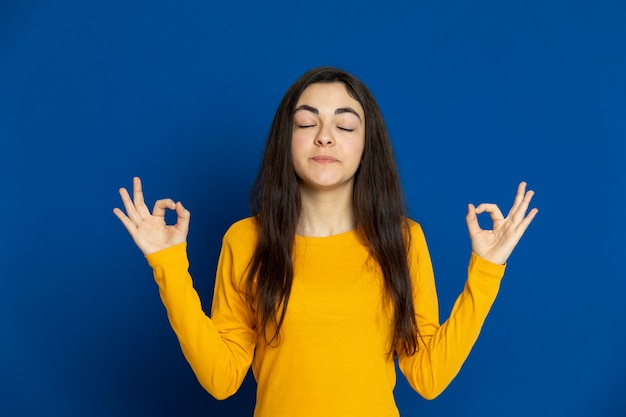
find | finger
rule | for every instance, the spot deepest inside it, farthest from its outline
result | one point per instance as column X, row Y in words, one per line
column 527, row 220
column 492, row 209
column 161, row 205
column 472, row 221
column 519, row 197
column 519, row 213
column 183, row 217
column 130, row 225
column 138, row 193
column 131, row 210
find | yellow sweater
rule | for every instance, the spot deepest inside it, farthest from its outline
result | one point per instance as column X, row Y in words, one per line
column 332, row 356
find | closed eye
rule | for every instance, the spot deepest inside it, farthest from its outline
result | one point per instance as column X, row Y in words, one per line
column 345, row 129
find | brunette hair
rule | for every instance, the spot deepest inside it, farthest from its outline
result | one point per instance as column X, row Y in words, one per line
column 378, row 204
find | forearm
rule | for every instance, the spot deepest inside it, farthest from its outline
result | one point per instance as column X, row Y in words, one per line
column 220, row 361
column 442, row 353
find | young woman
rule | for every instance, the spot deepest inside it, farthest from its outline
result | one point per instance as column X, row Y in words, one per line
column 328, row 282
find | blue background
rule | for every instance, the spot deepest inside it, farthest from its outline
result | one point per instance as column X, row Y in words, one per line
column 478, row 95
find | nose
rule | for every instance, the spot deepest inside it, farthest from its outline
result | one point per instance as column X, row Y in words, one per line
column 324, row 137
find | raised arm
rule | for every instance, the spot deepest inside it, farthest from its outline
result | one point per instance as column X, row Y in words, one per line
column 444, row 348
column 218, row 349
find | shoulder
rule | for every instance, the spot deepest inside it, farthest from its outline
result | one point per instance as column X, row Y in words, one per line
column 415, row 229
column 243, row 232
column 243, row 226
column 416, row 234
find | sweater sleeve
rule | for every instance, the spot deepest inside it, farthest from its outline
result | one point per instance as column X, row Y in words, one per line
column 219, row 349
column 442, row 349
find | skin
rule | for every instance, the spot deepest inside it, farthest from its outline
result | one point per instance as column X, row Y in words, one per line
column 328, row 138
column 149, row 230
column 326, row 147
column 496, row 245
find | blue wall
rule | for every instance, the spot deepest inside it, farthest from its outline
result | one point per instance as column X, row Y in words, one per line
column 477, row 95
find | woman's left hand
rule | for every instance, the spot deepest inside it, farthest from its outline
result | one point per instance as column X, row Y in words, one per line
column 496, row 245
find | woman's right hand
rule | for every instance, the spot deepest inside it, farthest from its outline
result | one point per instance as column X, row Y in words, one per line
column 149, row 231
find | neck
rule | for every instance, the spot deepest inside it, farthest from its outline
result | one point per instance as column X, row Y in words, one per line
column 325, row 213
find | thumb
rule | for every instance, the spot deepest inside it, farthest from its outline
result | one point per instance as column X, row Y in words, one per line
column 472, row 220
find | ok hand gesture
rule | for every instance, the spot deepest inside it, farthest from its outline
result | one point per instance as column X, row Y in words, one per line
column 149, row 231
column 496, row 245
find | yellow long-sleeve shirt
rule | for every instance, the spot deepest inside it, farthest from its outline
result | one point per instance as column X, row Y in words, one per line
column 332, row 357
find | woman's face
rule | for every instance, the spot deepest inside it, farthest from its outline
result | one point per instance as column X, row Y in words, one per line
column 328, row 137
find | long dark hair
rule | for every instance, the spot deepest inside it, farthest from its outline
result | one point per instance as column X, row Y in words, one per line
column 378, row 204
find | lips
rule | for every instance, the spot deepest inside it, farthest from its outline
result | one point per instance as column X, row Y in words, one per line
column 324, row 159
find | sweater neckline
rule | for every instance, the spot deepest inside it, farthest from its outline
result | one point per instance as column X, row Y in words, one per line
column 350, row 235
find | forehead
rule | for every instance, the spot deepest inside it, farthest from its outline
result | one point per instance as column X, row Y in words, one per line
column 330, row 96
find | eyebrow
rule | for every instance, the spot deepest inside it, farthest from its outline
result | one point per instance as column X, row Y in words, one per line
column 340, row 110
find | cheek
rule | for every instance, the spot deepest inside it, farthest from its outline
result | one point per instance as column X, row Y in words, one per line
column 298, row 144
column 357, row 150
column 297, row 152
